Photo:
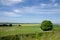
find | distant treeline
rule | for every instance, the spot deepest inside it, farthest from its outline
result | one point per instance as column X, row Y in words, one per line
column 5, row 24
column 9, row 25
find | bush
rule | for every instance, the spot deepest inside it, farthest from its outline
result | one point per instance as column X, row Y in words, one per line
column 10, row 24
column 19, row 25
column 46, row 25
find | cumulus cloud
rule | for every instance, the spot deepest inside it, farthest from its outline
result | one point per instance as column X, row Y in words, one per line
column 10, row 2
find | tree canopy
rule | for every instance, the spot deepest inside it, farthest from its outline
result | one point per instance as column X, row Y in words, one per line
column 46, row 25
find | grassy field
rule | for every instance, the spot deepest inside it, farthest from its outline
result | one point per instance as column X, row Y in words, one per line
column 29, row 32
column 25, row 28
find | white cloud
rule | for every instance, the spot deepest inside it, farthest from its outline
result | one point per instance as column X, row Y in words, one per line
column 11, row 14
column 53, row 1
column 34, row 10
column 31, row 10
column 39, row 10
column 56, row 5
column 42, row 5
column 17, row 11
column 51, row 5
column 10, row 2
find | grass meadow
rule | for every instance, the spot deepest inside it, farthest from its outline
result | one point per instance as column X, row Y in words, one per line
column 29, row 32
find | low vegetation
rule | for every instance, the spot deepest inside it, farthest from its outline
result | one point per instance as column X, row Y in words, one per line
column 29, row 32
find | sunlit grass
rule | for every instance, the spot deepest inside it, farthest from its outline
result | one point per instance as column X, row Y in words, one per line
column 33, row 30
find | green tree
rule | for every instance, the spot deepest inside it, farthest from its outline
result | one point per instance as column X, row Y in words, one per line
column 46, row 25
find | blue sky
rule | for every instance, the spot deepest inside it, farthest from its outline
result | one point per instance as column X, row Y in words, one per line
column 29, row 11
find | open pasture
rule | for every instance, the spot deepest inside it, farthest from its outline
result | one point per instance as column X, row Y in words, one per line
column 29, row 31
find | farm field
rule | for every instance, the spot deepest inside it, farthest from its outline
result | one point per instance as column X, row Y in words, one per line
column 29, row 31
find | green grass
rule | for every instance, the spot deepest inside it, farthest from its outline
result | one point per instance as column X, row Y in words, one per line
column 24, row 29
column 30, row 29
